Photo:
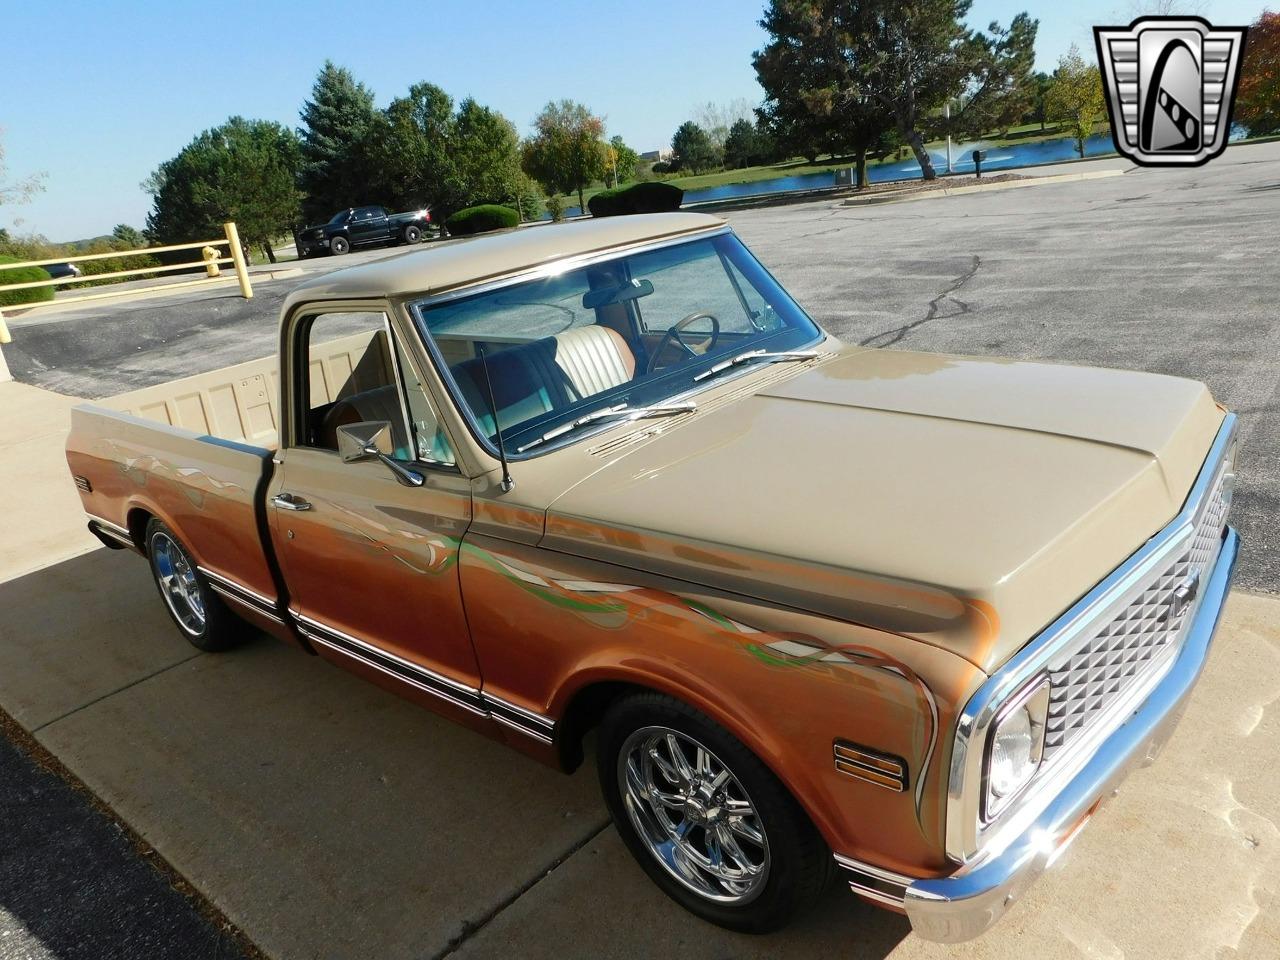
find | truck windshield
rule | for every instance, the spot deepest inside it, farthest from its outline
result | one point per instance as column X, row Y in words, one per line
column 339, row 218
column 635, row 330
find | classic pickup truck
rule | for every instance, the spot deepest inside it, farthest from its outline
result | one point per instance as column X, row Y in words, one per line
column 901, row 617
column 362, row 227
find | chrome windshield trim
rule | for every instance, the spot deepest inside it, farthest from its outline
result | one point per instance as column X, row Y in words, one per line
column 966, row 836
column 554, row 267
column 416, row 308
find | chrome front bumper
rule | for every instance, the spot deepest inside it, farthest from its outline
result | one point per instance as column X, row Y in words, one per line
column 961, row 906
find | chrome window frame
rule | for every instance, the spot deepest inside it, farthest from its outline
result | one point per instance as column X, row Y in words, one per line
column 968, row 836
column 416, row 306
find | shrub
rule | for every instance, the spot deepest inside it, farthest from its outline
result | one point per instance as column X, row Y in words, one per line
column 11, row 298
column 648, row 197
column 481, row 219
column 660, row 167
column 555, row 207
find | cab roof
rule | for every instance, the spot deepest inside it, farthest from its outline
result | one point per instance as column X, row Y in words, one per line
column 433, row 268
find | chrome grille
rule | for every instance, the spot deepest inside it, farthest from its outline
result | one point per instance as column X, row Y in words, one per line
column 1135, row 644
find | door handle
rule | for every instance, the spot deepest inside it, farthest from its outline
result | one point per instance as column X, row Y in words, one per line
column 290, row 501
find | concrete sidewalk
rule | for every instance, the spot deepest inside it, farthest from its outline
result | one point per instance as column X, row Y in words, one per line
column 327, row 818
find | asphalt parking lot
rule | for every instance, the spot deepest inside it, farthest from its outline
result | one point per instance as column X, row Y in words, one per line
column 327, row 818
column 1164, row 270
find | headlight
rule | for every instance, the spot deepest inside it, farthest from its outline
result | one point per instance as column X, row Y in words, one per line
column 1015, row 746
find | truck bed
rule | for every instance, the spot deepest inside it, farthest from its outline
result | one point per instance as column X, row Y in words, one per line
column 197, row 454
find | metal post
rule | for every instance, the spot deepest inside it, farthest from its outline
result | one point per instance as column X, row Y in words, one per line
column 4, row 338
column 946, row 112
column 237, row 256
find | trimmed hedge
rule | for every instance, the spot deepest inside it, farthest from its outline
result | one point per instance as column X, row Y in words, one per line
column 646, row 197
column 481, row 219
column 12, row 298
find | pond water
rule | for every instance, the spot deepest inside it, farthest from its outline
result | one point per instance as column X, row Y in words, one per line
column 997, row 158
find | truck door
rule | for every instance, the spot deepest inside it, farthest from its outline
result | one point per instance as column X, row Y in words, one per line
column 370, row 225
column 370, row 561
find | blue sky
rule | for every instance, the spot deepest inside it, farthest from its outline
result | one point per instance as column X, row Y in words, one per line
column 97, row 93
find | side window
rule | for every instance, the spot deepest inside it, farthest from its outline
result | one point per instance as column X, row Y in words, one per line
column 354, row 373
column 687, row 283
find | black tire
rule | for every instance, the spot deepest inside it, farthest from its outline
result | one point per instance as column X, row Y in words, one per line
column 339, row 246
column 200, row 616
column 411, row 234
column 797, row 862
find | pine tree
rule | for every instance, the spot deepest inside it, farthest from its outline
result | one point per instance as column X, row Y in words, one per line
column 336, row 125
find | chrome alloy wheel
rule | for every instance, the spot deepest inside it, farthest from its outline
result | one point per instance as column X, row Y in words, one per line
column 178, row 583
column 693, row 815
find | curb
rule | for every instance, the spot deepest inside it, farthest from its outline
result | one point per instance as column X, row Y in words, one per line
column 980, row 188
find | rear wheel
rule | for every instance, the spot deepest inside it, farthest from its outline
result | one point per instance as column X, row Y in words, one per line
column 411, row 234
column 194, row 607
column 710, row 824
column 339, row 245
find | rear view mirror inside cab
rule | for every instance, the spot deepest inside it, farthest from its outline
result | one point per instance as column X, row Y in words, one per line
column 603, row 296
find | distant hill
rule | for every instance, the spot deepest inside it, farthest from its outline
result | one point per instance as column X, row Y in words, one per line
column 78, row 245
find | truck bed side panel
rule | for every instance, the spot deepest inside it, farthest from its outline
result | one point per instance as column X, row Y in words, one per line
column 209, row 491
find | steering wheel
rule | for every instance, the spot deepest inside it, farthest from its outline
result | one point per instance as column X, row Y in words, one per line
column 675, row 335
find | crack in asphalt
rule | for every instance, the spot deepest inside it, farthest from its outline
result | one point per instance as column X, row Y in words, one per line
column 889, row 337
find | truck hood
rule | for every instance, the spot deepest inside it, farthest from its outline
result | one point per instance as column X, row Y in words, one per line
column 960, row 501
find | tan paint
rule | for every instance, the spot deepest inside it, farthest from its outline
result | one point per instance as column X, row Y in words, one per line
column 775, row 559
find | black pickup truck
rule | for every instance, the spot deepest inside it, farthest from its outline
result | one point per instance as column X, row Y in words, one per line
column 363, row 227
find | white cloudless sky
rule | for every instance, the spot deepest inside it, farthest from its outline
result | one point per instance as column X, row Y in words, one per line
column 97, row 93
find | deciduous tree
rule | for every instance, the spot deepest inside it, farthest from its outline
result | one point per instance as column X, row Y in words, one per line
column 336, row 125
column 565, row 153
column 624, row 158
column 906, row 59
column 1075, row 96
column 1258, row 99
column 244, row 170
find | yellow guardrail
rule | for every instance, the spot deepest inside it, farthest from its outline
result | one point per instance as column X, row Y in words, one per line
column 209, row 259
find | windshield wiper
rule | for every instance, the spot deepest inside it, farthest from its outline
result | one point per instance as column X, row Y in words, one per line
column 751, row 356
column 618, row 412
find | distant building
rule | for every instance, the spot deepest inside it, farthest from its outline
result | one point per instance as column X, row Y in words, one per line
column 656, row 155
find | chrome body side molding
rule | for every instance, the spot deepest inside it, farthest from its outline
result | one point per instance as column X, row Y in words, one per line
column 105, row 530
column 238, row 593
column 469, row 698
column 874, row 883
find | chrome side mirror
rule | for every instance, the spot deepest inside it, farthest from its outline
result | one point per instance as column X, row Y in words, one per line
column 371, row 440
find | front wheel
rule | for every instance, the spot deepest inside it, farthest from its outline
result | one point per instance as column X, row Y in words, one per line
column 705, row 818
column 339, row 245
column 199, row 612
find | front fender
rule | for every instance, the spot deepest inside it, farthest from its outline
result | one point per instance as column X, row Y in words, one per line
column 548, row 627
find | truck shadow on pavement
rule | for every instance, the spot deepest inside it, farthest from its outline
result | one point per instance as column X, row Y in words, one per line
column 325, row 816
